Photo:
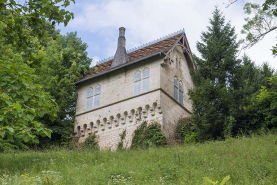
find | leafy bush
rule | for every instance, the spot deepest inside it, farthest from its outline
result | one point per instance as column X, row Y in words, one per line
column 22, row 104
column 185, row 131
column 90, row 143
column 146, row 136
column 122, row 137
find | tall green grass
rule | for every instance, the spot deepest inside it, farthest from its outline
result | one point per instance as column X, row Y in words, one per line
column 247, row 161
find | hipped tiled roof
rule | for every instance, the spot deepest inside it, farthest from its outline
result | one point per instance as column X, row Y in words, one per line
column 145, row 52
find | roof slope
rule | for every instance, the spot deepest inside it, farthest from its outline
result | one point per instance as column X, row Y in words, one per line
column 139, row 54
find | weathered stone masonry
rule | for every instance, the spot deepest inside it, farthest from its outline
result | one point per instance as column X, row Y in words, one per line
column 120, row 109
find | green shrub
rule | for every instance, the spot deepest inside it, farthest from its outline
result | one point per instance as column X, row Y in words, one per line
column 90, row 143
column 146, row 136
column 185, row 131
column 122, row 137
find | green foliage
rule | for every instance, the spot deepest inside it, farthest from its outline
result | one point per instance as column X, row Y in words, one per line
column 246, row 160
column 122, row 137
column 263, row 110
column 90, row 143
column 208, row 180
column 146, row 136
column 185, row 131
column 261, row 21
column 59, row 64
column 22, row 104
column 216, row 96
column 24, row 24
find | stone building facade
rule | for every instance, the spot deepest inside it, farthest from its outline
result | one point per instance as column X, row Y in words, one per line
column 149, row 83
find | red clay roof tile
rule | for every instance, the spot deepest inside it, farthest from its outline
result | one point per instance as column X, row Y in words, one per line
column 138, row 54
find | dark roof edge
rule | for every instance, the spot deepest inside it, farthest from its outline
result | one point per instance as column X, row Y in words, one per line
column 119, row 67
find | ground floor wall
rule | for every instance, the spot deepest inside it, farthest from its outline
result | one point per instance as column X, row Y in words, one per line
column 109, row 122
column 172, row 112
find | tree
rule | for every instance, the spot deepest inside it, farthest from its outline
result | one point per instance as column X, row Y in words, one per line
column 24, row 23
column 215, row 98
column 22, row 103
column 262, row 21
column 59, row 64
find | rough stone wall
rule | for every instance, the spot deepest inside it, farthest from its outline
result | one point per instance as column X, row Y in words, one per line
column 172, row 110
column 119, row 109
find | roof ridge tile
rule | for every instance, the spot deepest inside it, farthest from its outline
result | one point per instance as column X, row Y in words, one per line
column 145, row 45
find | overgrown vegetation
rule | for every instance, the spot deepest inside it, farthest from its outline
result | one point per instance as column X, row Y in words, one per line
column 122, row 137
column 146, row 136
column 185, row 132
column 246, row 160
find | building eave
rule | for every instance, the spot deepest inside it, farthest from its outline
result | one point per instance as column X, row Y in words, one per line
column 119, row 67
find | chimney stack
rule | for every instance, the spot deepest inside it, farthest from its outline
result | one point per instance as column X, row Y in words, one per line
column 120, row 56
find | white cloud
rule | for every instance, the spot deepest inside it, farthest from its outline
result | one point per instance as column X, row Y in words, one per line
column 146, row 20
column 95, row 59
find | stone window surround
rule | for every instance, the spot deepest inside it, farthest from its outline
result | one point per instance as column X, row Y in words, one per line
column 179, row 90
column 141, row 80
column 92, row 96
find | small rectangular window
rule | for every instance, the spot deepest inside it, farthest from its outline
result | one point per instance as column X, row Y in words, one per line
column 89, row 103
column 97, row 101
column 145, row 87
column 181, row 98
column 175, row 93
column 136, row 87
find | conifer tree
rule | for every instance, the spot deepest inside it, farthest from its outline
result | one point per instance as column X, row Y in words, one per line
column 215, row 96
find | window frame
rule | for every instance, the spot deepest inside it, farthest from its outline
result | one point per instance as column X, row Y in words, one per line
column 96, row 94
column 145, row 78
column 137, row 80
column 88, row 96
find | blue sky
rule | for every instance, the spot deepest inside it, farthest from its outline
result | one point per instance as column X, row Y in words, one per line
column 97, row 23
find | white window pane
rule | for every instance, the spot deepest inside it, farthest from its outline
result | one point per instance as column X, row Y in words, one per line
column 181, row 86
column 137, row 88
column 145, row 73
column 181, row 97
column 89, row 103
column 137, row 76
column 97, row 101
column 175, row 81
column 175, row 93
column 98, row 90
column 145, row 86
column 90, row 93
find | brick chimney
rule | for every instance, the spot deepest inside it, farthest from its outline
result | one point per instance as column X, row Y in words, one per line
column 120, row 56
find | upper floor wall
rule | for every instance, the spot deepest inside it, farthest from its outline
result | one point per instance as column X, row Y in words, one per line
column 124, row 83
column 176, row 79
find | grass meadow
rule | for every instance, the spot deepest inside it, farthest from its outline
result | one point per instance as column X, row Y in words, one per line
column 247, row 160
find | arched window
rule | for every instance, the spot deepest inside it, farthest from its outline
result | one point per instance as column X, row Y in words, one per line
column 181, row 93
column 176, row 88
column 97, row 94
column 137, row 79
column 89, row 99
column 145, row 80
